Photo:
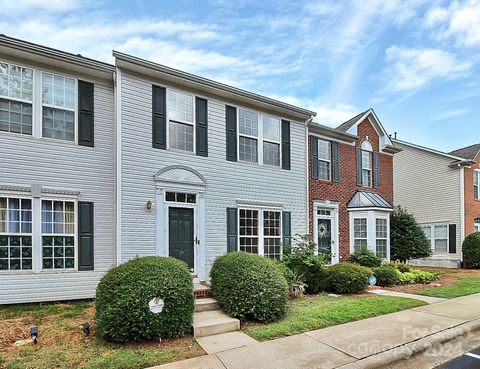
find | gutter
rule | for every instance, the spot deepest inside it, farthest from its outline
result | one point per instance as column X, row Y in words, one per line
column 308, row 122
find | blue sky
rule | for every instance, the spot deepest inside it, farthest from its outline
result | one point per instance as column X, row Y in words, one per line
column 416, row 62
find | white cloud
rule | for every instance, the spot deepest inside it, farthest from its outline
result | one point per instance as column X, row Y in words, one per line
column 449, row 114
column 411, row 69
column 18, row 7
column 460, row 21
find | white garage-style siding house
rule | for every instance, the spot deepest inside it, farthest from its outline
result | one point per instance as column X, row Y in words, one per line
column 205, row 168
column 57, row 199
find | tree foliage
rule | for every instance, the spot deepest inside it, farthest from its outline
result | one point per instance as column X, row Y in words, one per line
column 407, row 240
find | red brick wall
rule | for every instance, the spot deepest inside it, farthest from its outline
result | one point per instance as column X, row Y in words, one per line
column 343, row 191
column 472, row 206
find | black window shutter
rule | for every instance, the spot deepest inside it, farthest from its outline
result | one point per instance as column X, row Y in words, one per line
column 285, row 144
column 85, row 114
column 359, row 166
column 159, row 117
column 376, row 170
column 287, row 228
column 201, row 115
column 231, row 128
column 85, row 236
column 335, row 162
column 231, row 229
column 452, row 238
column 314, row 149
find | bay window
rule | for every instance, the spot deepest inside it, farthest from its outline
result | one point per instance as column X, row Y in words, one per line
column 58, row 107
column 370, row 229
column 181, row 121
column 360, row 234
column 381, row 237
column 15, row 233
column 260, row 232
column 16, row 96
column 58, row 234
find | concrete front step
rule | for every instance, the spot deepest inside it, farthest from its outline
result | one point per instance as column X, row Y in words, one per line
column 208, row 323
column 206, row 304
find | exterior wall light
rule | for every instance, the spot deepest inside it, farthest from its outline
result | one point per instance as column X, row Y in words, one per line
column 148, row 206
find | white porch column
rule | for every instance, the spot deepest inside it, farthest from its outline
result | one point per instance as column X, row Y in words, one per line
column 201, row 248
column 161, row 247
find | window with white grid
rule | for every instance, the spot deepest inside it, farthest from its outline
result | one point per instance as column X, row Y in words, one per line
column 58, row 234
column 437, row 235
column 324, row 159
column 367, row 150
column 15, row 234
column 360, row 234
column 58, row 111
column 248, row 135
column 271, row 141
column 248, row 230
column 476, row 184
column 381, row 237
column 16, row 95
column 272, row 234
column 181, row 130
column 476, row 225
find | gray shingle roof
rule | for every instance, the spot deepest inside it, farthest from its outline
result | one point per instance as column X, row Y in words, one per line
column 469, row 152
column 344, row 127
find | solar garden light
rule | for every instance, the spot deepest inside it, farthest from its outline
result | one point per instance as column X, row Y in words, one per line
column 34, row 334
column 86, row 329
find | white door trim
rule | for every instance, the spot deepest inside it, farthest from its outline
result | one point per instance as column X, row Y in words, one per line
column 334, row 209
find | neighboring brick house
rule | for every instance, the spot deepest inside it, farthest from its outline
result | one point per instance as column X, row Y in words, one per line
column 351, row 186
column 445, row 200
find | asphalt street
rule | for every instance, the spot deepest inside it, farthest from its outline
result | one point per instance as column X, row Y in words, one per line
column 469, row 360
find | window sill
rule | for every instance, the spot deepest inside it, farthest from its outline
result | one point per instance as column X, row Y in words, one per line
column 258, row 165
column 325, row 181
column 178, row 151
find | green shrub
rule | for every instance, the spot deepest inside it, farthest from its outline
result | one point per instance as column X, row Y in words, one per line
column 423, row 276
column 406, row 278
column 302, row 260
column 471, row 250
column 249, row 286
column 348, row 278
column 404, row 268
column 366, row 258
column 386, row 275
column 123, row 295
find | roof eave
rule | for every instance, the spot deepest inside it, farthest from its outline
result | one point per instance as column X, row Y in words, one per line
column 390, row 149
column 321, row 129
column 462, row 163
column 144, row 66
column 433, row 151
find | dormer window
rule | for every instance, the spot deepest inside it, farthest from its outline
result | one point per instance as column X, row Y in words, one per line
column 367, row 151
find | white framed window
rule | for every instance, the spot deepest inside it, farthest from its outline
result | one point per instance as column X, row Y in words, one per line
column 381, row 233
column 324, row 159
column 476, row 225
column 437, row 235
column 16, row 96
column 259, row 138
column 58, row 234
column 260, row 232
column 189, row 198
column 476, row 184
column 271, row 140
column 360, row 233
column 367, row 151
column 58, row 106
column 181, row 120
column 15, row 234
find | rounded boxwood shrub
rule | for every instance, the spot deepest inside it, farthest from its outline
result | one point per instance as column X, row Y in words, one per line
column 348, row 278
column 471, row 250
column 249, row 286
column 366, row 258
column 123, row 295
column 386, row 276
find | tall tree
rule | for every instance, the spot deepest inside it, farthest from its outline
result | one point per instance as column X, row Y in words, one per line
column 407, row 240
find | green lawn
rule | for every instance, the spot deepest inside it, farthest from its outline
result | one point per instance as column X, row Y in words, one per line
column 315, row 312
column 463, row 287
column 62, row 345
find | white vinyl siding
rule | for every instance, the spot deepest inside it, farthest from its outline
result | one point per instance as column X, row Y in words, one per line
column 227, row 182
column 432, row 196
column 57, row 165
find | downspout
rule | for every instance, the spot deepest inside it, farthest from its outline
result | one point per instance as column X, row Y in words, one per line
column 307, row 125
column 462, row 209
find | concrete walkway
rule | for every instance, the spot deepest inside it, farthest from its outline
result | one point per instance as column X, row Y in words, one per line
column 369, row 343
column 427, row 299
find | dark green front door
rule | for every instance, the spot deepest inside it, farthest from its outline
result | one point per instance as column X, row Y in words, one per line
column 180, row 234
